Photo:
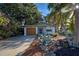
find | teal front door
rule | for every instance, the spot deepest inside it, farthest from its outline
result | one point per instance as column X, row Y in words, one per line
column 40, row 31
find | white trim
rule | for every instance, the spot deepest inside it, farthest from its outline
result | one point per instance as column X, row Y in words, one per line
column 25, row 31
column 36, row 30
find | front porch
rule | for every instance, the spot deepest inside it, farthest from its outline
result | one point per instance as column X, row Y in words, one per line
column 38, row 29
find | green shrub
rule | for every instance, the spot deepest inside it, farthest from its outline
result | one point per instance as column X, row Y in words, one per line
column 3, row 21
column 5, row 33
column 65, row 45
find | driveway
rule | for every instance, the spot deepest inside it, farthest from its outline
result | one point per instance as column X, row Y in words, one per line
column 14, row 45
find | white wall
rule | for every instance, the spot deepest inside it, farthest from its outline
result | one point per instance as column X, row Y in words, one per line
column 44, row 30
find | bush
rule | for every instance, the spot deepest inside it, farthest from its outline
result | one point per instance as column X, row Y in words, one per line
column 3, row 21
column 65, row 45
column 5, row 33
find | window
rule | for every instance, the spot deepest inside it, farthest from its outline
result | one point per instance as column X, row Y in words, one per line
column 48, row 30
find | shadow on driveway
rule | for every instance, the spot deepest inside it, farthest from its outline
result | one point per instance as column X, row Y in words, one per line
column 15, row 42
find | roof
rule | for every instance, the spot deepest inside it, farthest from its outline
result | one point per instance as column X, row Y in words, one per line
column 41, row 24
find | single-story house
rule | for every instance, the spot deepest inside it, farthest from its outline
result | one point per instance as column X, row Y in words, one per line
column 40, row 28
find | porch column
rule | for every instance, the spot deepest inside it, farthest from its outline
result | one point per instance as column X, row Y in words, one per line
column 24, row 31
column 36, row 30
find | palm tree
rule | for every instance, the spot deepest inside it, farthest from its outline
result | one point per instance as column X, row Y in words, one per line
column 71, row 16
column 76, row 28
column 55, row 12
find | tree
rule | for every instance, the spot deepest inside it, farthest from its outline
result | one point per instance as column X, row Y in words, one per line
column 76, row 27
column 18, row 13
column 55, row 12
column 71, row 21
column 62, row 13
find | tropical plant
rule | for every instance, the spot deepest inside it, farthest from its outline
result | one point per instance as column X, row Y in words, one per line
column 17, row 13
column 3, row 21
column 62, row 13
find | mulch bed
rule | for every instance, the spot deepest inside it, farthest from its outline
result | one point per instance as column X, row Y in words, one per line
column 35, row 50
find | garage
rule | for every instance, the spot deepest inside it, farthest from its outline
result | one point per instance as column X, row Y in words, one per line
column 31, row 31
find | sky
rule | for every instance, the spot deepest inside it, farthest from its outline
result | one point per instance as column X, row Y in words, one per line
column 43, row 8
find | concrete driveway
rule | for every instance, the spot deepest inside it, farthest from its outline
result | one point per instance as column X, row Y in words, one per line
column 14, row 45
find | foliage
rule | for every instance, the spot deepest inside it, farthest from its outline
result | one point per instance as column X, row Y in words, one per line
column 4, row 33
column 65, row 45
column 60, row 15
column 19, row 12
column 16, row 14
column 3, row 21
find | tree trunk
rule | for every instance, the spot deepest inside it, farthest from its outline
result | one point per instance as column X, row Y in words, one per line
column 62, row 23
column 55, row 22
column 76, row 28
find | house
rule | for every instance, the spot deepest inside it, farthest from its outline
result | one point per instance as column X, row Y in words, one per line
column 40, row 28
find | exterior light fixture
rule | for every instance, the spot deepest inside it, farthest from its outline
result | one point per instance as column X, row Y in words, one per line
column 77, row 6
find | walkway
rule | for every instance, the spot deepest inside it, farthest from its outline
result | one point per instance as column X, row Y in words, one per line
column 13, row 46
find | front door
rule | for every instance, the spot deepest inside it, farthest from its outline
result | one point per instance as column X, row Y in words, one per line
column 40, row 31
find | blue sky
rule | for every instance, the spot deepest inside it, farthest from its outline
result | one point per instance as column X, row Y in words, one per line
column 43, row 8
